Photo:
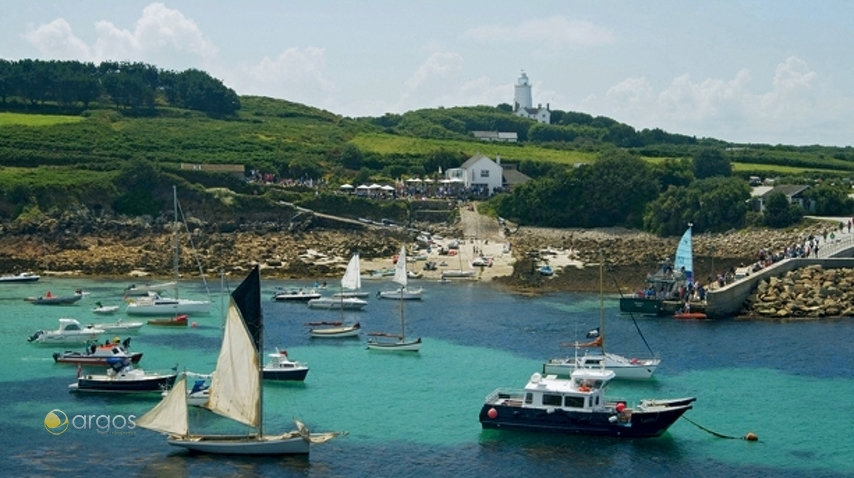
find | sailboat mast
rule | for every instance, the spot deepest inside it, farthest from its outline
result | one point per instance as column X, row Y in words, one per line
column 175, row 256
column 602, row 299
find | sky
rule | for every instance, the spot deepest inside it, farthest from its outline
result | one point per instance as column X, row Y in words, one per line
column 769, row 72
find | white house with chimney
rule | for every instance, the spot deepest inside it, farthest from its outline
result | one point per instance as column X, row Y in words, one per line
column 523, row 104
column 479, row 172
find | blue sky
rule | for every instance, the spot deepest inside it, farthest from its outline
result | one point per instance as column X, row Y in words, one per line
column 774, row 72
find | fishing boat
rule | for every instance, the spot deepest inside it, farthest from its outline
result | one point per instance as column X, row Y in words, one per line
column 595, row 356
column 98, row 354
column 664, row 283
column 69, row 332
column 123, row 377
column 331, row 330
column 154, row 304
column 23, row 277
column 178, row 321
column 399, row 344
column 577, row 405
column 281, row 367
column 236, row 391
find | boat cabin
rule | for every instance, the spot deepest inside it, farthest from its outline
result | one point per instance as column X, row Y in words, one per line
column 583, row 391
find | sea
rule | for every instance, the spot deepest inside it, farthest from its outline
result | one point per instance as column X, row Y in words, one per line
column 416, row 414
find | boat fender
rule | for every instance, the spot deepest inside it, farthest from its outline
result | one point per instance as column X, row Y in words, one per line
column 635, row 361
column 492, row 413
column 612, row 419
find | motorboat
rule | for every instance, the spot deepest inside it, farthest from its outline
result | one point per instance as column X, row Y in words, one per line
column 119, row 326
column 123, row 377
column 23, row 277
column 690, row 316
column 177, row 321
column 199, row 394
column 155, row 305
column 401, row 293
column 102, row 309
column 142, row 290
column 50, row 299
column 281, row 367
column 577, row 405
column 296, row 295
column 340, row 303
column 331, row 330
column 98, row 354
column 546, row 270
column 69, row 332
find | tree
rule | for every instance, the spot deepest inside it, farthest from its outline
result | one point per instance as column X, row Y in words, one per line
column 351, row 157
column 779, row 212
column 830, row 200
column 673, row 172
column 709, row 162
column 617, row 188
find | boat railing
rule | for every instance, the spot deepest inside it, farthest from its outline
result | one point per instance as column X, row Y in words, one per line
column 506, row 396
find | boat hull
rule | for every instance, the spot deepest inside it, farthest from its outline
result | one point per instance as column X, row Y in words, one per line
column 104, row 384
column 335, row 332
column 642, row 370
column 639, row 305
column 412, row 346
column 690, row 316
column 397, row 295
column 19, row 279
column 243, row 445
column 296, row 375
column 641, row 424
column 351, row 303
column 84, row 359
column 67, row 300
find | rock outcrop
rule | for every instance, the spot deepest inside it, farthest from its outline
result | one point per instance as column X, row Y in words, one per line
column 807, row 293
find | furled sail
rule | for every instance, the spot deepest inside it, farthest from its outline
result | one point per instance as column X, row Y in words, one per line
column 685, row 257
column 235, row 389
column 352, row 279
column 400, row 275
column 170, row 415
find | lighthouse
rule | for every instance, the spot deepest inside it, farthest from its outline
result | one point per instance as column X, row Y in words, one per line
column 522, row 98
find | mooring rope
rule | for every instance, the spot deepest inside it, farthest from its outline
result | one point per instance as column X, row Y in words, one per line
column 749, row 437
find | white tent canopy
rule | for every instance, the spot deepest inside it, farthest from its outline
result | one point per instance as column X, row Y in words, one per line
column 363, row 187
column 413, row 180
column 387, row 188
column 346, row 186
column 375, row 186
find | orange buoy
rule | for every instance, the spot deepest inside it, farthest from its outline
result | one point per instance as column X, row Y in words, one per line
column 492, row 413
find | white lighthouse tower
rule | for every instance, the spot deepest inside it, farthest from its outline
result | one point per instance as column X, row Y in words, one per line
column 523, row 104
column 523, row 93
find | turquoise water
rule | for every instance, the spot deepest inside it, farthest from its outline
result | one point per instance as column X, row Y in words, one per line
column 416, row 414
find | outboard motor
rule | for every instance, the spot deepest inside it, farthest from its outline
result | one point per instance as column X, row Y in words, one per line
column 36, row 336
column 126, row 343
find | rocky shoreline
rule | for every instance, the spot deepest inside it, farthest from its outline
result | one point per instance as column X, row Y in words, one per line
column 130, row 248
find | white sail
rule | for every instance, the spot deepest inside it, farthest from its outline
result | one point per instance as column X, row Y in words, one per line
column 352, row 279
column 170, row 415
column 235, row 389
column 400, row 268
column 685, row 257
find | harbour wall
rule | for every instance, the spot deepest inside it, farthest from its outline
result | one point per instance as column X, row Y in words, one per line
column 727, row 301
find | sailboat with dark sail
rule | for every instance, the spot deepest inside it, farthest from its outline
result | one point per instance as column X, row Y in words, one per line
column 235, row 391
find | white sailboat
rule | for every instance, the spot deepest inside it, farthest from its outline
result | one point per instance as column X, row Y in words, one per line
column 154, row 304
column 235, row 391
column 400, row 344
column 352, row 282
column 404, row 292
column 623, row 367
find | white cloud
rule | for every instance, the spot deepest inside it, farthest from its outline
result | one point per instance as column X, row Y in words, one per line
column 794, row 108
column 557, row 31
column 158, row 30
column 295, row 74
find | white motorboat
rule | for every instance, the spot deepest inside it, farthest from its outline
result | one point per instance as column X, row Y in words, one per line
column 155, row 305
column 281, row 367
column 102, row 309
column 236, row 391
column 119, row 326
column 340, row 303
column 401, row 293
column 296, row 295
column 400, row 343
column 69, row 332
column 23, row 277
column 142, row 290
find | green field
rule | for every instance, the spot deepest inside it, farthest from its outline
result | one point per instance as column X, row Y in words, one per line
column 36, row 120
column 386, row 144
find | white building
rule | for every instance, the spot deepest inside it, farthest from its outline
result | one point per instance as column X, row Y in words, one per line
column 523, row 104
column 479, row 172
